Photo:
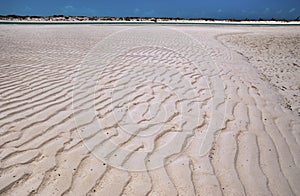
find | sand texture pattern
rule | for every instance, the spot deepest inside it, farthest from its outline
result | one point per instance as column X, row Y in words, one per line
column 149, row 110
column 274, row 53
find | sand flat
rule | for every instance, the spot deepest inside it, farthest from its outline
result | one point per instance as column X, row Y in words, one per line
column 276, row 55
column 149, row 110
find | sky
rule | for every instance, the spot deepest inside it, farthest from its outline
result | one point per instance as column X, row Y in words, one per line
column 219, row 9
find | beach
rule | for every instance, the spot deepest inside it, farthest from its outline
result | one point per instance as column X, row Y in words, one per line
column 95, row 109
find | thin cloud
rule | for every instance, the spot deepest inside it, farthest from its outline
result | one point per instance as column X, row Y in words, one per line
column 69, row 10
column 69, row 7
column 266, row 10
column 137, row 10
column 27, row 8
column 150, row 12
column 292, row 10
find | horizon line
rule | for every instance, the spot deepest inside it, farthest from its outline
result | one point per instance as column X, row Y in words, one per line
column 149, row 17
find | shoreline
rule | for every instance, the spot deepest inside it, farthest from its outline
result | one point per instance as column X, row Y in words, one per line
column 159, row 22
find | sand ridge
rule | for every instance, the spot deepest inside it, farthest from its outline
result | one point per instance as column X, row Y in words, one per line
column 123, row 110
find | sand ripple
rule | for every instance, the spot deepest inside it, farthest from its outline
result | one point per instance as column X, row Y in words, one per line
column 139, row 110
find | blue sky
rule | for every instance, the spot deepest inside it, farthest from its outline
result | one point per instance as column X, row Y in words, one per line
column 240, row 9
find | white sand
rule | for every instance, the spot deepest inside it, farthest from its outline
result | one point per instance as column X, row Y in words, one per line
column 158, row 110
column 276, row 55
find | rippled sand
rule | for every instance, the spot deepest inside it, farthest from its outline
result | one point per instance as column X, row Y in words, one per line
column 275, row 53
column 149, row 110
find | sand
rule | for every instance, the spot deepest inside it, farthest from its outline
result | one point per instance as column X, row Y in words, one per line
column 149, row 110
column 276, row 55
